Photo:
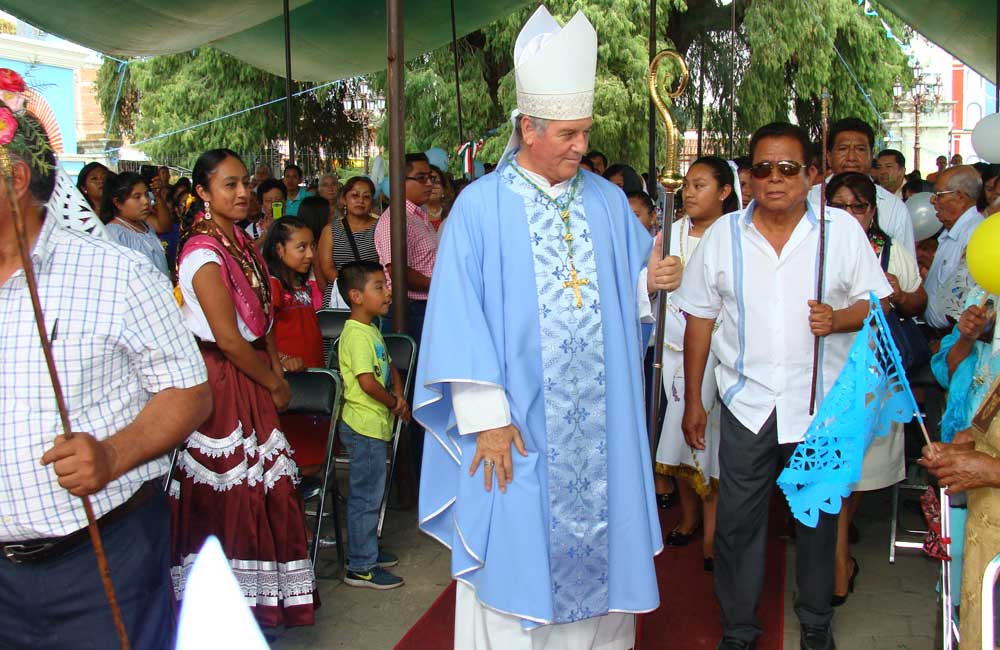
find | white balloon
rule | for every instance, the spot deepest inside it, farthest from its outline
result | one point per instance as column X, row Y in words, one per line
column 986, row 138
column 923, row 215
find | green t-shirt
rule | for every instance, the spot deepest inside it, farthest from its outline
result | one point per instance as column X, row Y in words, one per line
column 362, row 350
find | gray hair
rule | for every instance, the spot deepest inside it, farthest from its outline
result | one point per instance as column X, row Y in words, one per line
column 537, row 124
column 966, row 179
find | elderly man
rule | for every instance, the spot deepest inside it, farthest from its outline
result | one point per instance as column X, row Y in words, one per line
column 891, row 166
column 849, row 148
column 756, row 269
column 956, row 191
column 537, row 471
column 134, row 385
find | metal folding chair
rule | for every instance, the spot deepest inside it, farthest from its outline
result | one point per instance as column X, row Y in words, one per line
column 403, row 352
column 331, row 324
column 319, row 392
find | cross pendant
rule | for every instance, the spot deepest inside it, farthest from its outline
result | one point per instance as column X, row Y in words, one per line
column 575, row 283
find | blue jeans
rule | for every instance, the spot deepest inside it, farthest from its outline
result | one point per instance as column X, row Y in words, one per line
column 367, row 465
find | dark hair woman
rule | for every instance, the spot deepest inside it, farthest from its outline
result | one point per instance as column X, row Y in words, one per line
column 90, row 182
column 235, row 478
column 350, row 238
column 708, row 194
column 624, row 177
column 125, row 211
column 883, row 465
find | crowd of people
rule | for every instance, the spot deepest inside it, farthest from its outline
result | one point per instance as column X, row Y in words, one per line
column 525, row 294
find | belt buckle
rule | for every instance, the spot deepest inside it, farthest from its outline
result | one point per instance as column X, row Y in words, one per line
column 17, row 553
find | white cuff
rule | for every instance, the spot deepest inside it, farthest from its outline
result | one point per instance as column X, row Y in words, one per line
column 642, row 294
column 479, row 407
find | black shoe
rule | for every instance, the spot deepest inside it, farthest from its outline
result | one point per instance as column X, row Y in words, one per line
column 729, row 643
column 837, row 601
column 709, row 564
column 817, row 637
column 677, row 539
column 666, row 499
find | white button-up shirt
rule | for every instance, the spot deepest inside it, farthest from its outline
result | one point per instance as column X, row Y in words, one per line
column 950, row 251
column 765, row 346
column 117, row 338
column 893, row 216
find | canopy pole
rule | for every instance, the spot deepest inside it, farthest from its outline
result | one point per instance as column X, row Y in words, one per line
column 732, row 80
column 652, row 186
column 289, row 127
column 458, row 85
column 397, row 162
column 996, row 74
column 701, row 93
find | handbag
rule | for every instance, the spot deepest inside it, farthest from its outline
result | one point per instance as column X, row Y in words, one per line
column 910, row 341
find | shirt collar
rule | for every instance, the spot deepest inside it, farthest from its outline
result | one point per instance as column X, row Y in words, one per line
column 965, row 224
column 412, row 209
column 44, row 245
column 811, row 215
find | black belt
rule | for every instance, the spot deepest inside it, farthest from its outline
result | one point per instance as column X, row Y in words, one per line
column 35, row 551
column 256, row 344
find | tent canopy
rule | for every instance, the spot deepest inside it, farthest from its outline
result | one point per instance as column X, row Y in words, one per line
column 965, row 28
column 331, row 39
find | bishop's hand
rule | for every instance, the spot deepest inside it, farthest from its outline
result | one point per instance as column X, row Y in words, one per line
column 493, row 450
column 664, row 274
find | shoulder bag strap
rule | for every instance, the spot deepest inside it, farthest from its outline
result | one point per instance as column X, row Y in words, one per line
column 350, row 239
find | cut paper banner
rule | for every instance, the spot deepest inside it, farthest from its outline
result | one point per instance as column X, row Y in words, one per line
column 71, row 208
column 870, row 394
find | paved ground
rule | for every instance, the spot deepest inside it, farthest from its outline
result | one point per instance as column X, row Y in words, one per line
column 893, row 606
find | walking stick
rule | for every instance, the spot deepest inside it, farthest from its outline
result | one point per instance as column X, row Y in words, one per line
column 671, row 180
column 43, row 337
column 824, row 96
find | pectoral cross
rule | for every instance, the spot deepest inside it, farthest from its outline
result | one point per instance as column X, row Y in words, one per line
column 575, row 283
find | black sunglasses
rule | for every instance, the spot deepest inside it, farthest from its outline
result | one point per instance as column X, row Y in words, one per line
column 786, row 167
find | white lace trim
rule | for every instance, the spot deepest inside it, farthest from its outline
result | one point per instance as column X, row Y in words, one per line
column 261, row 582
column 221, row 482
column 216, row 447
column 572, row 106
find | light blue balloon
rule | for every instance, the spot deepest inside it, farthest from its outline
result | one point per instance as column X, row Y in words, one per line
column 383, row 187
column 478, row 170
column 923, row 215
column 437, row 157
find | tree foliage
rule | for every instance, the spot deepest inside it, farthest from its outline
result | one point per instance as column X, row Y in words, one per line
column 782, row 58
column 168, row 93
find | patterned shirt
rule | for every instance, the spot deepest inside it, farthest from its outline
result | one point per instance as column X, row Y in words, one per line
column 117, row 338
column 421, row 244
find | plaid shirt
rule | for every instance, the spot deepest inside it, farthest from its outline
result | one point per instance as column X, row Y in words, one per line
column 421, row 244
column 117, row 338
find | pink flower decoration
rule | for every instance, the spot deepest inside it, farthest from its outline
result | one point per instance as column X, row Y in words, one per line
column 14, row 101
column 10, row 80
column 8, row 126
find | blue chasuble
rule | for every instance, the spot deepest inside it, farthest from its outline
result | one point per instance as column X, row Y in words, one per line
column 575, row 534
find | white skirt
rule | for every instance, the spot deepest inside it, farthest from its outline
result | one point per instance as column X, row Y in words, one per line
column 884, row 464
column 673, row 455
column 477, row 627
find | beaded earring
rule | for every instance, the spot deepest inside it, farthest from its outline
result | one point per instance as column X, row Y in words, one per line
column 208, row 212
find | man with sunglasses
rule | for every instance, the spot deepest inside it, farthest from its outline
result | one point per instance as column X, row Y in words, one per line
column 954, row 199
column 756, row 269
column 849, row 148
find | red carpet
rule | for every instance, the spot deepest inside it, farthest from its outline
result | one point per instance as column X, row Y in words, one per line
column 688, row 616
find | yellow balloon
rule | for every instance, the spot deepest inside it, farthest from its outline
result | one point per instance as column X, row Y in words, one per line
column 983, row 254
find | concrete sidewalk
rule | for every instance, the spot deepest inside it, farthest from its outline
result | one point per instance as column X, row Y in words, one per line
column 893, row 606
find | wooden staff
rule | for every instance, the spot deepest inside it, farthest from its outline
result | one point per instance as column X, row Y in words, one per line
column 43, row 337
column 671, row 180
column 822, row 243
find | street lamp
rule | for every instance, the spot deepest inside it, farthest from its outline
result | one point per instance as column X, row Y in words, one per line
column 924, row 94
column 364, row 106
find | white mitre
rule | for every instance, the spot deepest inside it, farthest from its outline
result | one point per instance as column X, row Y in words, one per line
column 554, row 67
column 554, row 70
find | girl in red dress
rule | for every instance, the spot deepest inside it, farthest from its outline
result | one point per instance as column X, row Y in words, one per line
column 289, row 249
column 235, row 478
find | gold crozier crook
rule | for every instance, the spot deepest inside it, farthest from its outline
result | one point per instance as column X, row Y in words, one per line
column 670, row 177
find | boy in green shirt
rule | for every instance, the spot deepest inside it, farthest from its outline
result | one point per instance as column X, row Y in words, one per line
column 366, row 423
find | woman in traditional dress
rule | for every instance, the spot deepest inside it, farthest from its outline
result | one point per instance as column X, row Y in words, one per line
column 883, row 463
column 234, row 477
column 708, row 194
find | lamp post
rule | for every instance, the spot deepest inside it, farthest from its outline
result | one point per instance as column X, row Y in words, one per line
column 924, row 94
column 363, row 106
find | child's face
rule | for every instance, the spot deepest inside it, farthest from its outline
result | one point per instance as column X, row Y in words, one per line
column 376, row 297
column 297, row 252
column 640, row 211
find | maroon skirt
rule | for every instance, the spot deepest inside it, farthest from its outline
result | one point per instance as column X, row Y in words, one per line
column 235, row 479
